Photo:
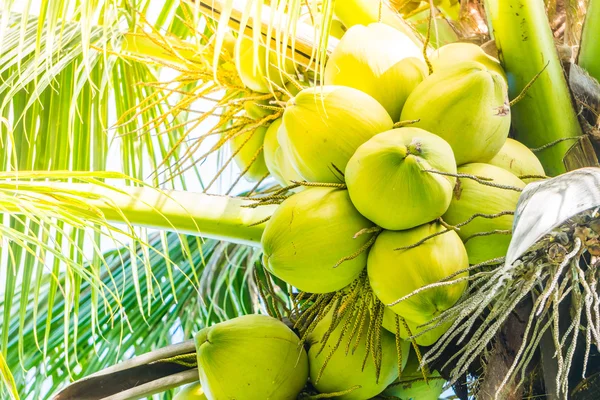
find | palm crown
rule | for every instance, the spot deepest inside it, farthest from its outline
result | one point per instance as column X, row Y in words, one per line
column 141, row 167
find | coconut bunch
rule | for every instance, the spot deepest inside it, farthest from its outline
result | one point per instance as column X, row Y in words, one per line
column 409, row 182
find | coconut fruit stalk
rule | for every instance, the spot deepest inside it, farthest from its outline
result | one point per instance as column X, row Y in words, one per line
column 522, row 32
column 308, row 236
column 395, row 272
column 249, row 155
column 278, row 164
column 387, row 182
column 344, row 369
column 516, row 158
column 453, row 53
column 380, row 61
column 325, row 125
column 253, row 357
column 411, row 384
column 467, row 105
column 471, row 198
column 192, row 391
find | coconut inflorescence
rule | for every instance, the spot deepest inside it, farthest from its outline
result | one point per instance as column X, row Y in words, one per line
column 337, row 359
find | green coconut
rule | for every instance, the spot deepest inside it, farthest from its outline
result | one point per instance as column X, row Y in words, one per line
column 411, row 384
column 253, row 357
column 257, row 72
column 343, row 371
column 192, row 391
column 278, row 165
column 387, row 184
column 248, row 154
column 471, row 197
column 453, row 53
column 255, row 111
column 309, row 233
column 467, row 105
column 325, row 125
column 394, row 274
column 425, row 339
column 380, row 61
column 515, row 157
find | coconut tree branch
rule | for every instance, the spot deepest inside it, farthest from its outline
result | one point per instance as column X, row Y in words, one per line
column 589, row 53
column 219, row 217
column 525, row 45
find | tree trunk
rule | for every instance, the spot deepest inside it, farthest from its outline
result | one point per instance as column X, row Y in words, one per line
column 507, row 343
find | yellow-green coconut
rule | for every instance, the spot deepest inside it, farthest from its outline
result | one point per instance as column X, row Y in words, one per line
column 516, row 158
column 471, row 197
column 467, row 105
column 387, row 182
column 453, row 53
column 249, row 155
column 344, row 371
column 325, row 125
column 365, row 12
column 256, row 69
column 380, row 61
column 253, row 357
column 412, row 386
column 309, row 233
column 278, row 164
column 394, row 273
column 192, row 391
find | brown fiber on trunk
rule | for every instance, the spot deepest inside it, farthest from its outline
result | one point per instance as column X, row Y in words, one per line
column 506, row 345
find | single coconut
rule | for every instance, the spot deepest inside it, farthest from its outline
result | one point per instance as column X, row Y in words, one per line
column 343, row 371
column 467, row 105
column 192, row 391
column 325, row 125
column 278, row 165
column 256, row 69
column 255, row 111
column 471, row 197
column 387, row 181
column 411, row 384
column 515, row 157
column 380, row 61
column 253, row 357
column 365, row 12
column 309, row 234
column 453, row 53
column 426, row 338
column 395, row 273
column 249, row 155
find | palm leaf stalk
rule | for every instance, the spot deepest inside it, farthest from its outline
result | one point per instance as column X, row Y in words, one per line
column 233, row 219
column 589, row 53
column 526, row 47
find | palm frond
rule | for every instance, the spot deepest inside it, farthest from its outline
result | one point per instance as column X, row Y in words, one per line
column 208, row 284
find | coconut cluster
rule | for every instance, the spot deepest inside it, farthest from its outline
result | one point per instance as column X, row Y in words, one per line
column 402, row 170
